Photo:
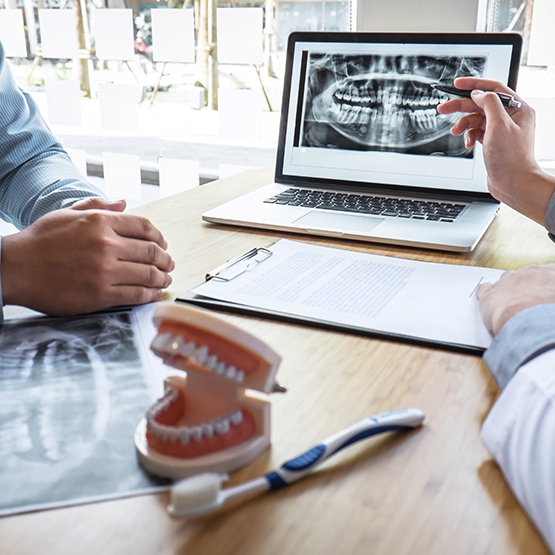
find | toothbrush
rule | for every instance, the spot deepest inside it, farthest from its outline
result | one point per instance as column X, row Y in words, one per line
column 202, row 494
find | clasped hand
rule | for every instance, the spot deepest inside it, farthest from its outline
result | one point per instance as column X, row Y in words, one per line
column 85, row 258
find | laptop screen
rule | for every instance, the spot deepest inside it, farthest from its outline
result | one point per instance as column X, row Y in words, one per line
column 358, row 108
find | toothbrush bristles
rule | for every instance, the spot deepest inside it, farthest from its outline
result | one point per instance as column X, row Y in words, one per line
column 194, row 492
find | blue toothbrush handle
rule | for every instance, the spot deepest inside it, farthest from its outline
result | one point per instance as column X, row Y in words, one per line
column 296, row 468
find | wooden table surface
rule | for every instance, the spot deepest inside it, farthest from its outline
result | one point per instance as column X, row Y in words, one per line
column 434, row 490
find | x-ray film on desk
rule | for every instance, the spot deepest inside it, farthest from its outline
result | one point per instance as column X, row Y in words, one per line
column 73, row 390
column 363, row 153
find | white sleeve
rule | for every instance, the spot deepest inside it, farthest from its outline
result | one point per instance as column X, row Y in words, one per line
column 520, row 433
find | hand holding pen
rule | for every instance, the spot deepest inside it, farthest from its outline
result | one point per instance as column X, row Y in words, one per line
column 507, row 136
column 482, row 100
column 506, row 99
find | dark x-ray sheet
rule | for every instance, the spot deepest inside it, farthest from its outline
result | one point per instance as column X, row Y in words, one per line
column 72, row 391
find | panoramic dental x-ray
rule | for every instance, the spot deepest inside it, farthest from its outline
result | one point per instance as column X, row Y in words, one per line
column 383, row 102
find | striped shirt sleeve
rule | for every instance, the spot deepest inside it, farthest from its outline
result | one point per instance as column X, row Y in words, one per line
column 36, row 174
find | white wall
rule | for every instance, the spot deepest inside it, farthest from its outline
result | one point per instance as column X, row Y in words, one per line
column 421, row 15
column 542, row 39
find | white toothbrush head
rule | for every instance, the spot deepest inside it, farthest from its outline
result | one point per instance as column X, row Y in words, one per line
column 197, row 495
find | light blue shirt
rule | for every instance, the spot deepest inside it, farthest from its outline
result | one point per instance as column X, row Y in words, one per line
column 36, row 174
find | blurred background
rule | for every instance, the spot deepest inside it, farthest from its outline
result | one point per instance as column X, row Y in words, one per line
column 153, row 97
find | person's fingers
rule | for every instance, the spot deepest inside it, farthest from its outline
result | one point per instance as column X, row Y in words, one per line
column 457, row 105
column 144, row 252
column 473, row 136
column 491, row 104
column 95, row 203
column 138, row 227
column 467, row 122
column 472, row 83
column 145, row 275
column 117, row 206
column 506, row 274
column 482, row 289
column 134, row 294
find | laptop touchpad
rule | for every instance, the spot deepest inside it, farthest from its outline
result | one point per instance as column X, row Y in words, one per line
column 341, row 222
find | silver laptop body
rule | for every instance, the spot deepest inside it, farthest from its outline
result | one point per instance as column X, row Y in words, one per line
column 362, row 152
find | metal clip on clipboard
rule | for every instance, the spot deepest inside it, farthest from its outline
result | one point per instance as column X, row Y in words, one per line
column 240, row 263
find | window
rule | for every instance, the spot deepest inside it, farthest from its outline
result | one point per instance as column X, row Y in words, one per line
column 533, row 19
column 129, row 78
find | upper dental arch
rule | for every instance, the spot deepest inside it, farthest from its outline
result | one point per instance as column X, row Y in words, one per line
column 172, row 345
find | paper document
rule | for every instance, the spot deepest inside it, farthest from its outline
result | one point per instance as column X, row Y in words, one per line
column 421, row 300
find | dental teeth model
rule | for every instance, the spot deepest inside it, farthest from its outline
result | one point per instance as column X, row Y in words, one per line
column 207, row 420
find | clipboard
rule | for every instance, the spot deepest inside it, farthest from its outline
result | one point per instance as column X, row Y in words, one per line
column 245, row 261
column 236, row 266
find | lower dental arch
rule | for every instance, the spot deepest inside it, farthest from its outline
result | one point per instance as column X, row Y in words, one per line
column 235, row 426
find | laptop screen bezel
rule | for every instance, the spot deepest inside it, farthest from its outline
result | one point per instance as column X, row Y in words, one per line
column 512, row 39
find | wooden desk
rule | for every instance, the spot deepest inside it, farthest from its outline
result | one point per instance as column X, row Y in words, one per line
column 432, row 491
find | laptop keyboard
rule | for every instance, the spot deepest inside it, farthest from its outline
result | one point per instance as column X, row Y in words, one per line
column 369, row 204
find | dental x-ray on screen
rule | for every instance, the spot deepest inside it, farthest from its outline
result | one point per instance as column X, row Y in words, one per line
column 383, row 102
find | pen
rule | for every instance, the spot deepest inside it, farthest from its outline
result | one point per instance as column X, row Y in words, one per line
column 506, row 99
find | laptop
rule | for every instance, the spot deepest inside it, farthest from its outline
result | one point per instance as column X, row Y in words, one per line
column 363, row 153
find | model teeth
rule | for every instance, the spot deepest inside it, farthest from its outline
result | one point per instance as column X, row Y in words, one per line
column 167, row 344
column 236, row 417
column 221, row 427
column 177, row 344
column 162, row 341
column 208, row 429
column 185, row 434
column 163, row 404
column 212, row 362
column 202, row 354
column 188, row 349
